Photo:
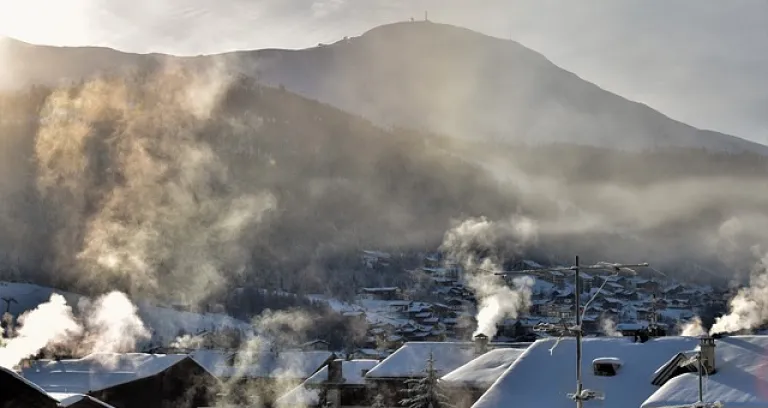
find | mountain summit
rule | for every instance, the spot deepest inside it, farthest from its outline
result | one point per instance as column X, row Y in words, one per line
column 424, row 75
column 465, row 84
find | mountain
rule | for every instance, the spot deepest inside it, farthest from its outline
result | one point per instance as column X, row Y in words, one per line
column 428, row 76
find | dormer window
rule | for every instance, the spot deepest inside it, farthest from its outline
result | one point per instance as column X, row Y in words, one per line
column 606, row 366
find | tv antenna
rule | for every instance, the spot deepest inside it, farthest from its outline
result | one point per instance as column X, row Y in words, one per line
column 581, row 394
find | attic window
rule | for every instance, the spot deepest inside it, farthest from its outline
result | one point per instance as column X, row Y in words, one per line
column 606, row 366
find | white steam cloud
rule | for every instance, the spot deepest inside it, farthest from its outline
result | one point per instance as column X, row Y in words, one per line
column 109, row 325
column 693, row 328
column 113, row 325
column 496, row 300
column 608, row 327
column 50, row 322
column 749, row 308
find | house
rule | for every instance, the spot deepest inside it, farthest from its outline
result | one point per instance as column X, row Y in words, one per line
column 18, row 392
column 736, row 379
column 341, row 383
column 390, row 293
column 546, row 372
column 409, row 361
column 468, row 383
column 315, row 345
column 128, row 380
column 266, row 373
column 648, row 285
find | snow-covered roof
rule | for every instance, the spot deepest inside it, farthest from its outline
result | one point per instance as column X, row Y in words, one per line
column 543, row 378
column 484, row 370
column 8, row 377
column 738, row 382
column 410, row 360
column 351, row 371
column 267, row 364
column 66, row 400
column 97, row 371
column 308, row 394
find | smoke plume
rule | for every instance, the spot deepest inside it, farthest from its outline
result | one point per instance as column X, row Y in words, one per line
column 275, row 331
column 108, row 325
column 467, row 241
column 143, row 202
column 50, row 322
column 113, row 325
column 608, row 327
column 749, row 308
column 693, row 328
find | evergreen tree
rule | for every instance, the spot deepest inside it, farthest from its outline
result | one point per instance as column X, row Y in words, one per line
column 425, row 392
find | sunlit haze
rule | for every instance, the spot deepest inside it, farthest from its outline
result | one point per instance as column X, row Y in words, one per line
column 700, row 62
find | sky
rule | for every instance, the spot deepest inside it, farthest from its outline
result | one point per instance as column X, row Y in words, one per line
column 703, row 62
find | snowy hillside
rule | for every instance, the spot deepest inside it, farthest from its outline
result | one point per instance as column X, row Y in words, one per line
column 165, row 323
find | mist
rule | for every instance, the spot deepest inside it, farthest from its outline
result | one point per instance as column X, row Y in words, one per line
column 180, row 179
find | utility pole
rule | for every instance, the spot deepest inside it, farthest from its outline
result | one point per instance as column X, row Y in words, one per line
column 581, row 394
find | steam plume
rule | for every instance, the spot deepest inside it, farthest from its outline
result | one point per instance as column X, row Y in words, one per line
column 48, row 323
column 749, row 308
column 608, row 326
column 496, row 300
column 113, row 325
column 109, row 325
column 146, row 204
column 693, row 328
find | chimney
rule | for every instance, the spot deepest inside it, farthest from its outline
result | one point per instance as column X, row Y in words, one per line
column 335, row 374
column 481, row 344
column 335, row 378
column 707, row 348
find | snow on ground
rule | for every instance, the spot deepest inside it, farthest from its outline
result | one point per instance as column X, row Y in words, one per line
column 740, row 380
column 165, row 322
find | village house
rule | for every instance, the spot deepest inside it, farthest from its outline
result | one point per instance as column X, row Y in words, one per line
column 388, row 293
column 389, row 377
column 341, row 383
column 734, row 377
column 18, row 392
column 267, row 373
column 619, row 368
column 128, row 380
column 468, row 383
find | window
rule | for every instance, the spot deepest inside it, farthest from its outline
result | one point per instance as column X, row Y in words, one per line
column 606, row 366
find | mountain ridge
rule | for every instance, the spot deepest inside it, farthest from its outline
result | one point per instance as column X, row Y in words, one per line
column 430, row 86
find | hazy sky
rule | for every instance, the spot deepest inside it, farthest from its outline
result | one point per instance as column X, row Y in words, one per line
column 704, row 62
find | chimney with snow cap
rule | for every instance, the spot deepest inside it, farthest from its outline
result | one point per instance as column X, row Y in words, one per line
column 707, row 349
column 481, row 344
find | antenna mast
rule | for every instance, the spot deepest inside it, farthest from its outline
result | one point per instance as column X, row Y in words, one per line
column 581, row 394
